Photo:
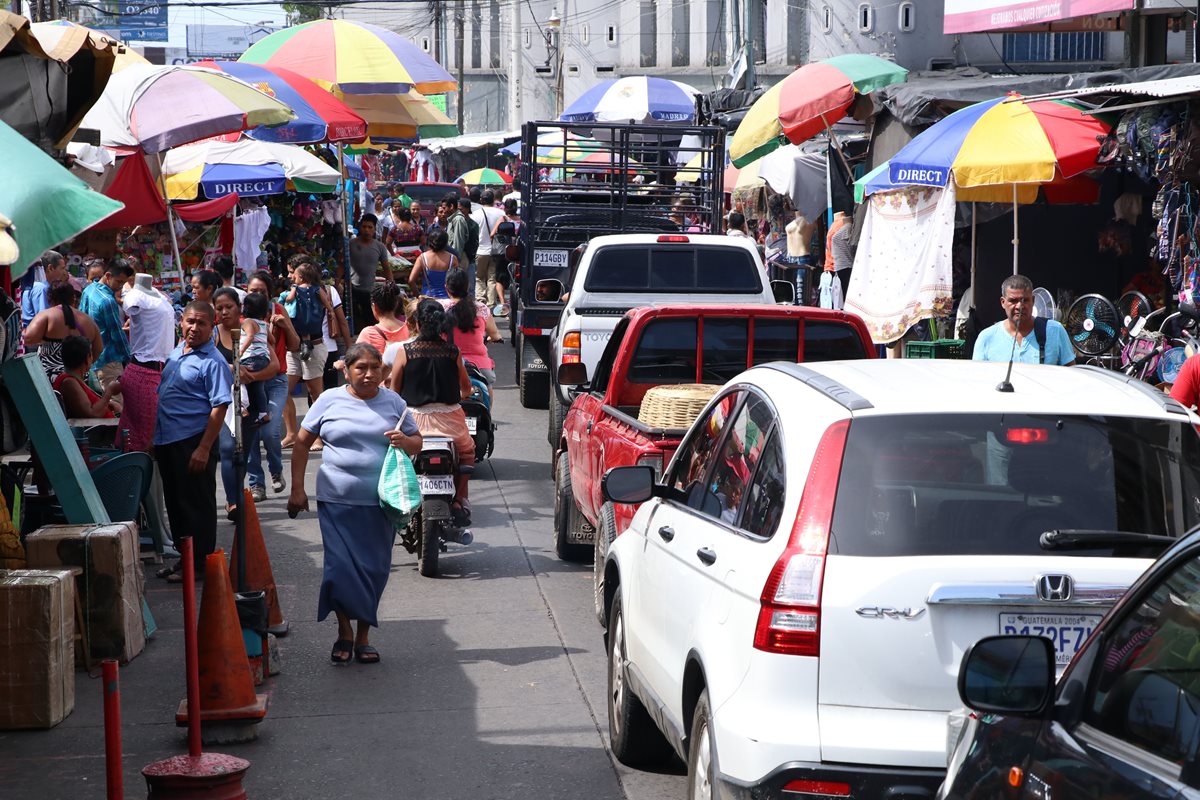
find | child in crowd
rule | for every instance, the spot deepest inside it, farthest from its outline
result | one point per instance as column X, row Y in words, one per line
column 255, row 354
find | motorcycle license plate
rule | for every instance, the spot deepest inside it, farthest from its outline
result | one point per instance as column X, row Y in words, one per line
column 472, row 425
column 436, row 484
column 1068, row 632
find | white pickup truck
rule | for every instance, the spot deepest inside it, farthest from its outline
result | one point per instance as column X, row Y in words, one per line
column 625, row 271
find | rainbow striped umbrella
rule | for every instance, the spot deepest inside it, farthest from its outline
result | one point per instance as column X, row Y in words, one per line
column 355, row 57
column 1003, row 142
column 484, row 176
column 808, row 101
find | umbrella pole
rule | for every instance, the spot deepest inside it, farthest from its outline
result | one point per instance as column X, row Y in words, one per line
column 347, row 290
column 1016, row 231
column 162, row 182
column 974, row 250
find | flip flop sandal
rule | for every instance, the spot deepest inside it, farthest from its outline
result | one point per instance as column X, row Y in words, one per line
column 342, row 647
column 366, row 654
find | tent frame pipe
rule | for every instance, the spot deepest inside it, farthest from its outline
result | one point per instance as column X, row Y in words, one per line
column 162, row 182
column 347, row 289
column 1016, row 242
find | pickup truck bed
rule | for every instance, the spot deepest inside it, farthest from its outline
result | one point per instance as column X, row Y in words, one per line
column 669, row 344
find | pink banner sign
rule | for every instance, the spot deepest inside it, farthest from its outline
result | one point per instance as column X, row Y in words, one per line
column 974, row 16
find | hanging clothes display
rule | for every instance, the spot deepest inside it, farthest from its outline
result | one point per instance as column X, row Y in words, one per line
column 902, row 271
column 249, row 228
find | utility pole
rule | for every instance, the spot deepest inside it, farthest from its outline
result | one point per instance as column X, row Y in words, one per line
column 748, row 25
column 437, row 33
column 515, row 111
column 460, row 21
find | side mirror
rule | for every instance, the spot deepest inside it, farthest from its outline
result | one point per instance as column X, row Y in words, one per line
column 628, row 485
column 784, row 291
column 549, row 290
column 572, row 374
column 1011, row 675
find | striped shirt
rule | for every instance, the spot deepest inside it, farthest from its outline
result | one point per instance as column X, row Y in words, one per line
column 99, row 303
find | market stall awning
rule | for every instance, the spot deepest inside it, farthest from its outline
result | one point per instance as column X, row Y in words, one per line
column 1161, row 89
column 470, row 141
column 134, row 186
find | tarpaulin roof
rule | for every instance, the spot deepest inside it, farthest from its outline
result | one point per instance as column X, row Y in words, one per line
column 928, row 96
column 134, row 186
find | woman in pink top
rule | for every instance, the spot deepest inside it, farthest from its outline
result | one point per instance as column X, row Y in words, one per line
column 385, row 301
column 473, row 324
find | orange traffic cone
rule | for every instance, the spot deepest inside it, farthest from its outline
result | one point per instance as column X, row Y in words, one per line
column 259, row 577
column 229, row 708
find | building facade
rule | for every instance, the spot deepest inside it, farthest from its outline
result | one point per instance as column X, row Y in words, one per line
column 526, row 59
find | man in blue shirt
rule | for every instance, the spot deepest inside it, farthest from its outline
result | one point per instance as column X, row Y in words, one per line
column 99, row 301
column 195, row 392
column 36, row 298
column 1014, row 337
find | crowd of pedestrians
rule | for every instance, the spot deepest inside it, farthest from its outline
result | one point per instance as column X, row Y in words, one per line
column 114, row 345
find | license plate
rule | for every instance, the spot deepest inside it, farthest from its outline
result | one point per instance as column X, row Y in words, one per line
column 551, row 258
column 1068, row 632
column 436, row 484
column 472, row 425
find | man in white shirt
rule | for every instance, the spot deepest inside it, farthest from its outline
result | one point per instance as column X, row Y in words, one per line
column 515, row 194
column 486, row 215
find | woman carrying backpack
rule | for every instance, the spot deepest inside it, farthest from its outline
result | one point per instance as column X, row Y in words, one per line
column 308, row 303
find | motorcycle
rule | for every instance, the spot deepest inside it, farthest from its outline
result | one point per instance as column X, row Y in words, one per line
column 478, row 410
column 433, row 524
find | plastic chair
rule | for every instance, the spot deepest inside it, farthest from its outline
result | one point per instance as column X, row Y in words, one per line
column 122, row 483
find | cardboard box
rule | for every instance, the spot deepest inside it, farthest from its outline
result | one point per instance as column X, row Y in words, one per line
column 111, row 585
column 37, row 648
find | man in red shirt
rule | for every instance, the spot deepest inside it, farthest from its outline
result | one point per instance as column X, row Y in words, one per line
column 1187, row 386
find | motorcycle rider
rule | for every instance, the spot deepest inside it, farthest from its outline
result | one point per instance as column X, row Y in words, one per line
column 473, row 324
column 430, row 375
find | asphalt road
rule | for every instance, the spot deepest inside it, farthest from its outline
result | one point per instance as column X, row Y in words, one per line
column 492, row 681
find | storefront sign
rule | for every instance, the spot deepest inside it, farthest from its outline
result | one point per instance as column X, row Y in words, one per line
column 973, row 16
column 135, row 20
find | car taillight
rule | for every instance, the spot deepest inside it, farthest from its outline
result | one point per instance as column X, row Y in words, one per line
column 667, row 238
column 654, row 461
column 820, row 788
column 570, row 351
column 789, row 617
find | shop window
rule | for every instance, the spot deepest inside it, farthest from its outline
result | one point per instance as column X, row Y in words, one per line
column 1039, row 47
column 908, row 17
column 866, row 18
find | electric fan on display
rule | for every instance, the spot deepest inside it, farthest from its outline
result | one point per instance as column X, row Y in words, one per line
column 1132, row 309
column 1043, row 304
column 1093, row 324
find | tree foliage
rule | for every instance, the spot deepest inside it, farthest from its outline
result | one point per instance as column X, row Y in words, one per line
column 298, row 13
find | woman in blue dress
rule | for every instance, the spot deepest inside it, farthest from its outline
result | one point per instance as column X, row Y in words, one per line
column 428, row 276
column 357, row 422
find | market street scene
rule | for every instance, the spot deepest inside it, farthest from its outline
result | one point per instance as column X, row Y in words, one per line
column 635, row 400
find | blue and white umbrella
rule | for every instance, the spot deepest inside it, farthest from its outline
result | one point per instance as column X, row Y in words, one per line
column 640, row 99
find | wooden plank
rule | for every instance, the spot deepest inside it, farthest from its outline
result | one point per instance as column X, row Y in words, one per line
column 52, row 438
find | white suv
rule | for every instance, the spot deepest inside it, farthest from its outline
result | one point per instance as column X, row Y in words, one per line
column 788, row 609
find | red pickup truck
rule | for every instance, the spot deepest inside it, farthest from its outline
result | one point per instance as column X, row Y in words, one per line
column 668, row 345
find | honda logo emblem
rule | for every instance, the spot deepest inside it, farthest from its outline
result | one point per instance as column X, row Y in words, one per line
column 1054, row 588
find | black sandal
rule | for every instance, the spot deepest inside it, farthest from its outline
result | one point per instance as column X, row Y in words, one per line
column 342, row 647
column 366, row 654
column 169, row 570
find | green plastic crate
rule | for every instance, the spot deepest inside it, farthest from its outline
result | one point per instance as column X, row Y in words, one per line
column 942, row 348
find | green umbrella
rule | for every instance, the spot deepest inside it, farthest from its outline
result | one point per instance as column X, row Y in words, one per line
column 46, row 203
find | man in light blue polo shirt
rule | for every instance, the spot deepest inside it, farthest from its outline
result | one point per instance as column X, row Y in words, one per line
column 195, row 391
column 1015, row 337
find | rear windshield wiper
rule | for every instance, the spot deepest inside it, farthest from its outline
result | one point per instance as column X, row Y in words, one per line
column 1078, row 539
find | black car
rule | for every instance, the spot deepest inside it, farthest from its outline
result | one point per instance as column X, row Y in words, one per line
column 1122, row 722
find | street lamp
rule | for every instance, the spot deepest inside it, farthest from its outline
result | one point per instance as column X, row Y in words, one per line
column 555, row 51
